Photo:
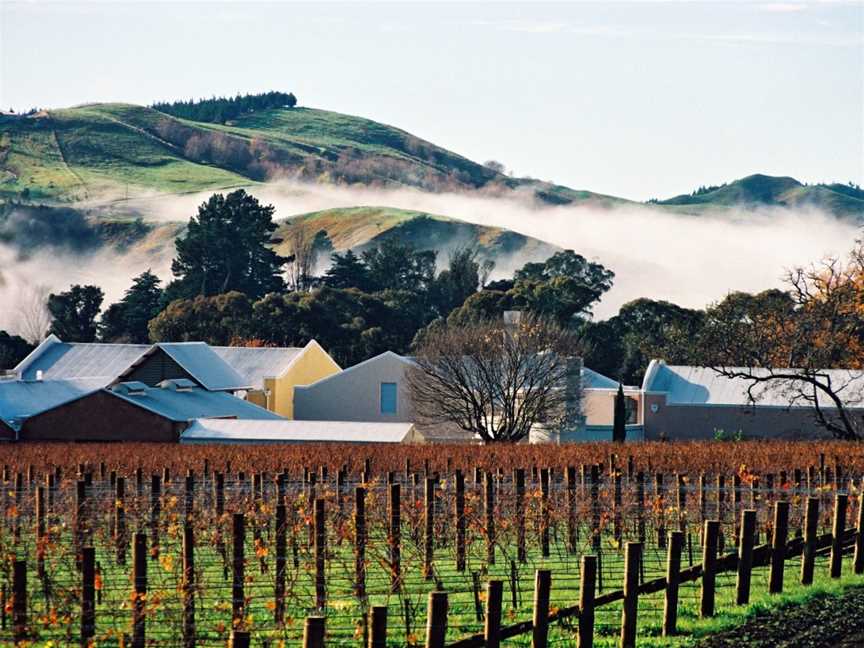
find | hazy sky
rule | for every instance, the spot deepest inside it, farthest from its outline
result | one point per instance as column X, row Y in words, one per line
column 632, row 99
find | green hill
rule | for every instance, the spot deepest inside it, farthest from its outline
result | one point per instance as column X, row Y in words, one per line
column 358, row 228
column 104, row 150
column 762, row 190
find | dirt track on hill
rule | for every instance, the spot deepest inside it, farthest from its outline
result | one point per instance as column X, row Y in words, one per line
column 822, row 623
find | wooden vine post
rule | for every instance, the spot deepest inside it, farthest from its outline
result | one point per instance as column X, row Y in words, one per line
column 542, row 588
column 838, row 528
column 320, row 555
column 778, row 546
column 587, row 588
column 395, row 538
column 632, row 559
column 673, row 579
column 139, row 576
column 459, row 513
column 709, row 570
column 745, row 556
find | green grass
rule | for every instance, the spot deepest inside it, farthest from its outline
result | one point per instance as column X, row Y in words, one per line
column 213, row 604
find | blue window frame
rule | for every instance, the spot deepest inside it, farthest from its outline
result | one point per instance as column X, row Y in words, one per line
column 388, row 398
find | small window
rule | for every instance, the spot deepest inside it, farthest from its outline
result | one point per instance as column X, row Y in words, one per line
column 388, row 398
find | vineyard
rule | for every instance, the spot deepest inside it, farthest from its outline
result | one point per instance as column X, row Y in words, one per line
column 166, row 545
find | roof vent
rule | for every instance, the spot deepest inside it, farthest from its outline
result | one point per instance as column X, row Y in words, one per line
column 131, row 388
column 39, row 375
column 178, row 385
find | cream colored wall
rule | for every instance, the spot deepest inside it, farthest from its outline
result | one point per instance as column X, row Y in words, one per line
column 599, row 405
column 311, row 365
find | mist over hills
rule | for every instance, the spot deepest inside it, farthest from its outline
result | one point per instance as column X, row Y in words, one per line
column 98, row 193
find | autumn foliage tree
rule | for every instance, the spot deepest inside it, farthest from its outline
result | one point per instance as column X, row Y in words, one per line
column 806, row 342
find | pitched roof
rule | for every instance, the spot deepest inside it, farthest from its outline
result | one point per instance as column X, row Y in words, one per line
column 686, row 385
column 59, row 360
column 257, row 363
column 108, row 362
column 20, row 399
column 285, row 431
column 177, row 401
column 593, row 380
column 205, row 365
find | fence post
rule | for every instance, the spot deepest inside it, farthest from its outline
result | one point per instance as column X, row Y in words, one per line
column 709, row 560
column 378, row 626
column 281, row 560
column 19, row 600
column 429, row 528
column 572, row 536
column 778, row 546
column 839, row 526
column 120, row 519
column 489, row 505
column 320, row 555
column 545, row 522
column 460, row 521
column 673, row 571
column 238, row 534
column 313, row 632
column 858, row 560
column 632, row 558
column 745, row 556
column 395, row 538
column 542, row 587
column 239, row 639
column 436, row 620
column 587, row 586
column 595, row 507
column 811, row 528
column 139, row 618
column 88, row 594
column 492, row 627
column 659, row 494
column 519, row 481
column 155, row 510
column 617, row 505
column 360, row 542
column 188, row 585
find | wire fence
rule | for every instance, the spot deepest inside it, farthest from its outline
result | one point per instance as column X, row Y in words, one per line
column 120, row 557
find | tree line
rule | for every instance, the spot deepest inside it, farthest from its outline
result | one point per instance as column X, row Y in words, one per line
column 219, row 110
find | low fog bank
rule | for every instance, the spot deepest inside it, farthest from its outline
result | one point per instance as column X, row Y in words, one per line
column 689, row 260
column 25, row 282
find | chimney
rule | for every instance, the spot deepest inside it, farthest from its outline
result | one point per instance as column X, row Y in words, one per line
column 574, row 417
column 39, row 375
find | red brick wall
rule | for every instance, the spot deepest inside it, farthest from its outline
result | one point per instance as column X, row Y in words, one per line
column 99, row 417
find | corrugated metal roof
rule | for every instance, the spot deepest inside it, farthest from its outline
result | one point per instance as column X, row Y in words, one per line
column 205, row 365
column 192, row 404
column 285, row 431
column 685, row 385
column 257, row 363
column 67, row 360
column 20, row 399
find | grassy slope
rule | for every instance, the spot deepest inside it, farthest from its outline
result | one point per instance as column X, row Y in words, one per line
column 773, row 191
column 81, row 152
column 358, row 227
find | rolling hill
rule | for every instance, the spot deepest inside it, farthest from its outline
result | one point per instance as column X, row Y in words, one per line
column 762, row 190
column 96, row 151
column 359, row 228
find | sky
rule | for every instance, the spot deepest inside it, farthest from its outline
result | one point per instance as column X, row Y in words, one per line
column 636, row 99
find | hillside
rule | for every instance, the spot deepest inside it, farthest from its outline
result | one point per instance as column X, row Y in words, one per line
column 358, row 228
column 763, row 190
column 103, row 150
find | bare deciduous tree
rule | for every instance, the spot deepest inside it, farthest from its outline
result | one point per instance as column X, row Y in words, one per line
column 33, row 320
column 806, row 346
column 498, row 381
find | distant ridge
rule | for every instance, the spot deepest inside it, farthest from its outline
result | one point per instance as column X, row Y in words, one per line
column 757, row 190
column 99, row 151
